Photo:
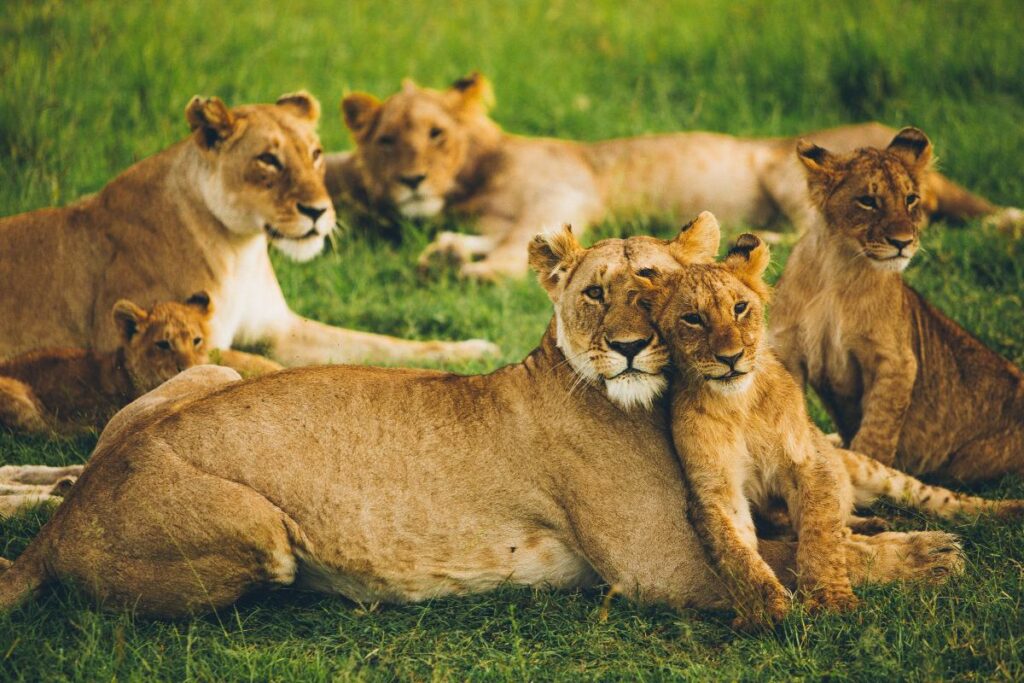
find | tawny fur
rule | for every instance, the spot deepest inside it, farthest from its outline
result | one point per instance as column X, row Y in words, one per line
column 399, row 485
column 423, row 151
column 70, row 390
column 197, row 215
column 903, row 383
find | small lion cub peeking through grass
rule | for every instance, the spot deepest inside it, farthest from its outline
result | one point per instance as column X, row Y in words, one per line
column 73, row 390
column 741, row 429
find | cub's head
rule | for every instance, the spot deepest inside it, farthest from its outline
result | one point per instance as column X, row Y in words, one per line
column 160, row 343
column 413, row 146
column 262, row 170
column 871, row 198
column 607, row 337
column 712, row 315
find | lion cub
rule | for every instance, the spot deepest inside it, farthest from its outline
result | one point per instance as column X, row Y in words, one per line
column 73, row 390
column 902, row 382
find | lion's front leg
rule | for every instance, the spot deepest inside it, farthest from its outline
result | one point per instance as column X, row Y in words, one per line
column 453, row 250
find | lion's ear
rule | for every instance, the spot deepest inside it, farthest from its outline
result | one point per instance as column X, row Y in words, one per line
column 653, row 297
column 212, row 120
column 301, row 104
column 128, row 317
column 913, row 148
column 817, row 160
column 360, row 110
column 472, row 93
column 747, row 260
column 552, row 254
column 697, row 241
column 201, row 302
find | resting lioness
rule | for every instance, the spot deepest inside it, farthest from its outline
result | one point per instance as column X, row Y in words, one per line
column 70, row 390
column 425, row 151
column 744, row 438
column 399, row 485
column 902, row 382
column 197, row 215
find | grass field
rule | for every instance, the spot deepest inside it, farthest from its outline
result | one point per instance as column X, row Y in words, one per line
column 90, row 87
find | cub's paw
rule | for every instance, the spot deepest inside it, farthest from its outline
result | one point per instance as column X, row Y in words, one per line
column 868, row 525
column 765, row 612
column 834, row 439
column 1009, row 220
column 836, row 599
column 441, row 255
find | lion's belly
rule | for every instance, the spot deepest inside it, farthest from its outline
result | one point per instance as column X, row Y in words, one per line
column 416, row 575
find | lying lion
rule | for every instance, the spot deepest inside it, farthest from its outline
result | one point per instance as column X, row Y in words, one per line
column 903, row 382
column 197, row 215
column 402, row 485
column 422, row 151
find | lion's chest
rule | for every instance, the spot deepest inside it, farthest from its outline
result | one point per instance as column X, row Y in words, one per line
column 832, row 369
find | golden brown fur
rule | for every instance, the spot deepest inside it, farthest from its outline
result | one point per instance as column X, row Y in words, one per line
column 400, row 485
column 68, row 390
column 424, row 151
column 902, row 382
column 197, row 215
column 744, row 438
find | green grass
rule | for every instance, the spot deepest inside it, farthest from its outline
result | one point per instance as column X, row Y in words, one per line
column 90, row 87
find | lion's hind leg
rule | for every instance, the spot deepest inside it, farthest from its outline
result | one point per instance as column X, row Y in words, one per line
column 20, row 409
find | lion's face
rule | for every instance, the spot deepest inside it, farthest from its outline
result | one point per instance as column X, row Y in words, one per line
column 871, row 198
column 160, row 343
column 713, row 317
column 264, row 170
column 412, row 147
column 607, row 336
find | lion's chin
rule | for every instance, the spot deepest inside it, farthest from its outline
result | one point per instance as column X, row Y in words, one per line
column 896, row 264
column 421, row 207
column 732, row 387
column 301, row 250
column 635, row 389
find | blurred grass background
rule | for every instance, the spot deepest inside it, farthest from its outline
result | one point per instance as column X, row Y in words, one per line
column 90, row 87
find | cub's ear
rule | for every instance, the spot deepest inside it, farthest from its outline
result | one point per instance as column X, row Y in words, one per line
column 201, row 301
column 552, row 255
column 472, row 93
column 654, row 297
column 128, row 317
column 817, row 160
column 912, row 147
column 212, row 120
column 301, row 104
column 747, row 260
column 697, row 241
column 360, row 110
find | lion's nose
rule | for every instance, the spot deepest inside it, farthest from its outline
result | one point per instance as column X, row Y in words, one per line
column 629, row 349
column 730, row 360
column 412, row 181
column 314, row 212
column 898, row 243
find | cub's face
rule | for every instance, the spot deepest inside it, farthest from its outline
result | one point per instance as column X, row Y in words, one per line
column 412, row 147
column 161, row 342
column 712, row 316
column 607, row 336
column 265, row 170
column 871, row 198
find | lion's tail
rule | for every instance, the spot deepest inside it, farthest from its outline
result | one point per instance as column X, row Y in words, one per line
column 872, row 480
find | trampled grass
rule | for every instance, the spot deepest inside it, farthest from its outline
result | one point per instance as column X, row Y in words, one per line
column 88, row 88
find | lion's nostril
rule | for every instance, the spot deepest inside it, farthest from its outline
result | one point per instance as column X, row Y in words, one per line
column 629, row 349
column 730, row 360
column 899, row 244
column 313, row 212
column 412, row 181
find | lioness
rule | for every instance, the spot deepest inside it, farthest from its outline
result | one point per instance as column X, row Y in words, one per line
column 197, row 215
column 70, row 390
column 399, row 485
column 743, row 435
column 424, row 151
column 902, row 382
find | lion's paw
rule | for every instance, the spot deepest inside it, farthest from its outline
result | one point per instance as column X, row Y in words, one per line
column 1008, row 219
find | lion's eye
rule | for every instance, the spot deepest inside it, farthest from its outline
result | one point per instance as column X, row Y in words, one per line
column 197, row 341
column 912, row 199
column 164, row 344
column 647, row 272
column 386, row 140
column 867, row 201
column 271, row 160
column 317, row 153
column 594, row 292
column 693, row 319
column 740, row 307
column 436, row 132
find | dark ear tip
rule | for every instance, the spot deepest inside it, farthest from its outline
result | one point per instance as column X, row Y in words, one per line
column 687, row 226
column 201, row 298
column 745, row 244
column 467, row 81
column 806, row 148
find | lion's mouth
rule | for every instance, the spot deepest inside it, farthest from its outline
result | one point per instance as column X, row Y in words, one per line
column 275, row 234
column 727, row 377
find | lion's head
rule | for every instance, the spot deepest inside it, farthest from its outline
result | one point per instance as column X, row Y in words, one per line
column 871, row 198
column 412, row 147
column 712, row 316
column 160, row 343
column 606, row 336
column 263, row 170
